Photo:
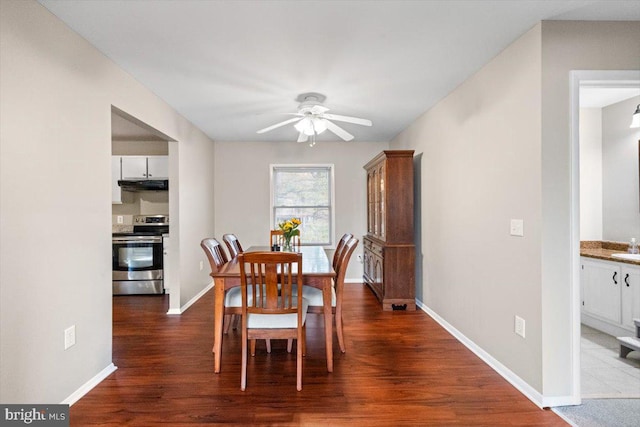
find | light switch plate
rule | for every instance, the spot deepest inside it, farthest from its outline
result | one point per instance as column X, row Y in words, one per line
column 517, row 227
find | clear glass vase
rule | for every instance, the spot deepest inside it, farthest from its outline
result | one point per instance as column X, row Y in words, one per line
column 286, row 244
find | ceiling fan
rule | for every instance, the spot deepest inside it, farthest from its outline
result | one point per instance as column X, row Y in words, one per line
column 312, row 119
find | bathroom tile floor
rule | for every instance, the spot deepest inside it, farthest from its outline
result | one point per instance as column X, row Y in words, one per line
column 603, row 373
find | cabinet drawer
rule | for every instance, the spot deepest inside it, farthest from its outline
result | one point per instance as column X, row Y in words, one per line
column 376, row 249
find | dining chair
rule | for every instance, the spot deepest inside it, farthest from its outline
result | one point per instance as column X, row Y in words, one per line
column 314, row 295
column 269, row 307
column 277, row 238
column 232, row 298
column 336, row 255
column 233, row 244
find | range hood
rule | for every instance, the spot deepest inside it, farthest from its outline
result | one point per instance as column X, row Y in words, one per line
column 144, row 184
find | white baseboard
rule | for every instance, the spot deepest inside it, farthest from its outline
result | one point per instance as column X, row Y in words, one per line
column 89, row 385
column 195, row 298
column 522, row 386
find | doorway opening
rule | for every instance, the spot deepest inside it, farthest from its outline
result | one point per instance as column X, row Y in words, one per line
column 140, row 209
column 600, row 125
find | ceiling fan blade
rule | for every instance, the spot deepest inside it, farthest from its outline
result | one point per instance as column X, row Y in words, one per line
column 338, row 131
column 356, row 120
column 277, row 125
column 303, row 137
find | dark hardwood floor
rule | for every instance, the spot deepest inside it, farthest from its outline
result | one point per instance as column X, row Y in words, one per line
column 401, row 368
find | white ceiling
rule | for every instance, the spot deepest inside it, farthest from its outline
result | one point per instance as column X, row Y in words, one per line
column 233, row 67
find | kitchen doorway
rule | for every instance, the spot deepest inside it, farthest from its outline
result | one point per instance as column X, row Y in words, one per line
column 140, row 159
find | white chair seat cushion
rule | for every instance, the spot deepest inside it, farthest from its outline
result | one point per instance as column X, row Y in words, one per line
column 314, row 295
column 277, row 321
column 233, row 297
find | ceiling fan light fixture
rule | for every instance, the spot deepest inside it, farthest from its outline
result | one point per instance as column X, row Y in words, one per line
column 320, row 125
column 635, row 121
column 311, row 126
column 305, row 126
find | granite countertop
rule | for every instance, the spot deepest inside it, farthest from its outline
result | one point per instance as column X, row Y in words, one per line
column 603, row 250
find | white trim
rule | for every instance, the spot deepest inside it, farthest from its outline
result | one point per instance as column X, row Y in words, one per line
column 192, row 300
column 89, row 385
column 332, row 189
column 590, row 78
column 522, row 386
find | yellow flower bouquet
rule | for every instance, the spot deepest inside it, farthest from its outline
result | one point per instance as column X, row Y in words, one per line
column 289, row 229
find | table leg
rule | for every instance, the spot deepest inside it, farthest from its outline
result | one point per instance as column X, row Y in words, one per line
column 328, row 323
column 218, row 316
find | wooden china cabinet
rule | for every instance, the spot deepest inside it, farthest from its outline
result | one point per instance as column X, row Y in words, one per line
column 389, row 250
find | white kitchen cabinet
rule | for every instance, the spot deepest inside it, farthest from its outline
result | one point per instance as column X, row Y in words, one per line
column 116, row 192
column 610, row 295
column 134, row 167
column 630, row 287
column 145, row 167
column 158, row 167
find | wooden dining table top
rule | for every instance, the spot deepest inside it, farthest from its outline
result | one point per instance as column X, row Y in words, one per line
column 315, row 262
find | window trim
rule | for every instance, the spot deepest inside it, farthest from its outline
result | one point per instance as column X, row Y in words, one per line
column 332, row 196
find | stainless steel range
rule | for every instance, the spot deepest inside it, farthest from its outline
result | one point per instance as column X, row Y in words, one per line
column 137, row 256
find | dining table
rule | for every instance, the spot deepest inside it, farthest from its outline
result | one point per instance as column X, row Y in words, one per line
column 317, row 271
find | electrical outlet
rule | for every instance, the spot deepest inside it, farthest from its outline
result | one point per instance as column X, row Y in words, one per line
column 201, row 265
column 519, row 326
column 120, row 219
column 360, row 259
column 69, row 336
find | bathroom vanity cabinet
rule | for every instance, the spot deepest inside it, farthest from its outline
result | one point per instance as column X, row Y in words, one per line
column 610, row 295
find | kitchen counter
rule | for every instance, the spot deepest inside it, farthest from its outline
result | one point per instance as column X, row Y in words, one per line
column 603, row 250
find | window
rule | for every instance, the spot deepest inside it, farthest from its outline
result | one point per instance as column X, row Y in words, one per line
column 305, row 192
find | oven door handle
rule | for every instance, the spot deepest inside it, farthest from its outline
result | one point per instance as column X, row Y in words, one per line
column 145, row 240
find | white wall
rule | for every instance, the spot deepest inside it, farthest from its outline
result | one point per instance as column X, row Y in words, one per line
column 480, row 168
column 55, row 190
column 242, row 187
column 621, row 212
column 590, row 174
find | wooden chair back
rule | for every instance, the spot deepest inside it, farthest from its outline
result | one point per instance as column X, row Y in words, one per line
column 341, row 268
column 270, row 309
column 276, row 237
column 336, row 255
column 215, row 253
column 233, row 244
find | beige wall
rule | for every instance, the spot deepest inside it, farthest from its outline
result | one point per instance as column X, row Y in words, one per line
column 621, row 211
column 567, row 46
column 481, row 168
column 496, row 148
column 55, row 190
column 591, row 174
column 242, row 187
